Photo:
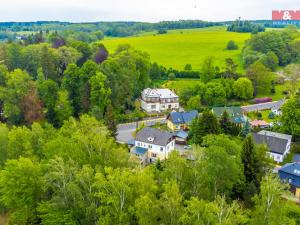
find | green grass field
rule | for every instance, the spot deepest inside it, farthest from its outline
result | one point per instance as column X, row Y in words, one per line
column 180, row 47
column 179, row 84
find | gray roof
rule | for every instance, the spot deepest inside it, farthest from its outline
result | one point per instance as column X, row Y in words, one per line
column 275, row 143
column 154, row 136
column 275, row 134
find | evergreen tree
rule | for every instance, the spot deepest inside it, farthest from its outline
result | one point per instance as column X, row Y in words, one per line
column 246, row 129
column 204, row 125
column 254, row 163
column 110, row 120
column 225, row 123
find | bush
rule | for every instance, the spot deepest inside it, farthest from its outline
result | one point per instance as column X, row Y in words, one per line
column 262, row 100
column 231, row 45
column 259, row 115
column 188, row 67
column 271, row 115
column 171, row 76
column 162, row 31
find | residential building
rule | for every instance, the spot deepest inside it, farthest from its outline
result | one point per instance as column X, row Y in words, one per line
column 290, row 173
column 279, row 144
column 152, row 144
column 235, row 113
column 159, row 100
column 181, row 120
column 181, row 137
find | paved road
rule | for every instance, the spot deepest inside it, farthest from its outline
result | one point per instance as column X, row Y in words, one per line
column 263, row 106
column 126, row 130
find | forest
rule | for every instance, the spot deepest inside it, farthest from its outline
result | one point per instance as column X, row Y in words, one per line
column 8, row 30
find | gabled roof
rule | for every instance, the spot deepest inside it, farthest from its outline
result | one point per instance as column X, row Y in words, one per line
column 256, row 123
column 232, row 111
column 291, row 168
column 275, row 141
column 293, row 173
column 159, row 93
column 154, row 136
column 235, row 113
column 182, row 117
column 275, row 134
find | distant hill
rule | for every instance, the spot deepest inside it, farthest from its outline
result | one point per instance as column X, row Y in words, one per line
column 115, row 29
column 180, row 47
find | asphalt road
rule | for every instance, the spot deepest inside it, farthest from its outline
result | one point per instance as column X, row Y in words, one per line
column 126, row 130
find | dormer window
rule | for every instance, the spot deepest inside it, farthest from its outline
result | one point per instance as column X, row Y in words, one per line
column 150, row 139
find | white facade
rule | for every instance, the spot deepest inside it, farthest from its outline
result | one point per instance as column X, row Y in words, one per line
column 158, row 100
column 156, row 152
column 277, row 156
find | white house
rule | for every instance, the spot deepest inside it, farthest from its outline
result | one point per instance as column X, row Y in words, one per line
column 153, row 144
column 158, row 100
column 279, row 144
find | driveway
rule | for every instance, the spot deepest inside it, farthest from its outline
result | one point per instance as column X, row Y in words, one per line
column 126, row 130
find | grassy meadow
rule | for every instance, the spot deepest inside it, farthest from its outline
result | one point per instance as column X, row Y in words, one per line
column 180, row 47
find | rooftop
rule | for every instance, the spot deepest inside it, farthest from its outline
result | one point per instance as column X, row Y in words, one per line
column 182, row 117
column 256, row 123
column 235, row 113
column 275, row 134
column 139, row 150
column 159, row 93
column 291, row 168
column 154, row 136
column 276, row 142
column 290, row 173
column 182, row 134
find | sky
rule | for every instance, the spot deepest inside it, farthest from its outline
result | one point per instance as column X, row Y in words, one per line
column 140, row 10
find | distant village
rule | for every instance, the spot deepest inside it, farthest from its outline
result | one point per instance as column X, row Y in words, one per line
column 151, row 143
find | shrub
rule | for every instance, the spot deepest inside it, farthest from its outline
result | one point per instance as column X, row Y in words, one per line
column 171, row 76
column 271, row 115
column 262, row 100
column 231, row 45
column 259, row 115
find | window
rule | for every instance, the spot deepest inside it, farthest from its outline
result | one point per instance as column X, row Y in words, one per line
column 150, row 146
column 153, row 155
column 138, row 144
column 152, row 106
column 161, row 149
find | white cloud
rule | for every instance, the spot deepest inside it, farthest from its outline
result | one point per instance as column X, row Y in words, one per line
column 139, row 10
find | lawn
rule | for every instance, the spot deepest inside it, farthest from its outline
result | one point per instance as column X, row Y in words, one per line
column 180, row 47
column 279, row 89
column 179, row 84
